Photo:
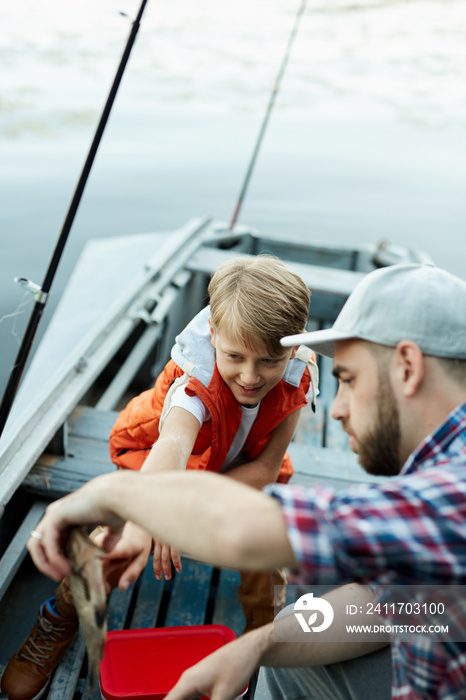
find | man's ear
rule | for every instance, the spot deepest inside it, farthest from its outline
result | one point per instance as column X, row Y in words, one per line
column 212, row 332
column 294, row 351
column 409, row 366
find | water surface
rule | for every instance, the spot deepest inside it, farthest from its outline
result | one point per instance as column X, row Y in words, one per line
column 367, row 139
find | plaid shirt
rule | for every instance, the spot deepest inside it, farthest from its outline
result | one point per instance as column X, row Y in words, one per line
column 410, row 529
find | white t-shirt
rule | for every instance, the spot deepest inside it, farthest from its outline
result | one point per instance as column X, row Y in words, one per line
column 194, row 405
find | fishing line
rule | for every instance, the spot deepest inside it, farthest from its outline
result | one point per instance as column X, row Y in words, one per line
column 43, row 291
column 268, row 112
column 19, row 311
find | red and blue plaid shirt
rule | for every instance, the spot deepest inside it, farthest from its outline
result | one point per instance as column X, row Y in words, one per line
column 410, row 529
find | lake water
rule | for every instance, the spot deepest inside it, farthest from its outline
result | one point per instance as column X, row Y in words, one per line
column 367, row 139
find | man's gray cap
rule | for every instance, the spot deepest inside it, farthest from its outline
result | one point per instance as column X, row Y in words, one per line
column 422, row 303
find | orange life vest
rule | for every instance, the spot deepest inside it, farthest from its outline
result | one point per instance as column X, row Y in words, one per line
column 137, row 426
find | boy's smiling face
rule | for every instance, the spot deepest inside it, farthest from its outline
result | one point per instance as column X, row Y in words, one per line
column 249, row 374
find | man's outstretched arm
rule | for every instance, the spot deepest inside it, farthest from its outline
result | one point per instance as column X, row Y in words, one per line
column 202, row 514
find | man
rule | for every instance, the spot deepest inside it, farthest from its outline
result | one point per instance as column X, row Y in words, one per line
column 399, row 347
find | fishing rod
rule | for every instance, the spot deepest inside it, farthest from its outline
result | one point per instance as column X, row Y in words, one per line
column 268, row 112
column 43, row 292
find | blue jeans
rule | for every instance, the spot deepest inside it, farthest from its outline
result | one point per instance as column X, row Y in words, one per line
column 365, row 678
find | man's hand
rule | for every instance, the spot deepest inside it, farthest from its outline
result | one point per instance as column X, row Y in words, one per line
column 83, row 507
column 224, row 674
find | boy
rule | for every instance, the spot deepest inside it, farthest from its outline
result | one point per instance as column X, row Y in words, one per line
column 228, row 401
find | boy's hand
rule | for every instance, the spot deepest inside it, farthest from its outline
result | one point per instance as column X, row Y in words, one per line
column 132, row 548
column 164, row 555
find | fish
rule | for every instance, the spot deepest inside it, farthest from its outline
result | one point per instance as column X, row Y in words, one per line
column 90, row 598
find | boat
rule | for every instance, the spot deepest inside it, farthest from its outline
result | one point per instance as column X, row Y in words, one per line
column 110, row 336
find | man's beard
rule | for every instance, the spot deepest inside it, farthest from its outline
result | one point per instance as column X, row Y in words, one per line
column 379, row 450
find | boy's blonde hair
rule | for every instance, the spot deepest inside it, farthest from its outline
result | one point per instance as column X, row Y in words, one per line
column 257, row 301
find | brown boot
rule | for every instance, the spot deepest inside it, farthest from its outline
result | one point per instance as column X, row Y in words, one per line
column 28, row 672
column 262, row 595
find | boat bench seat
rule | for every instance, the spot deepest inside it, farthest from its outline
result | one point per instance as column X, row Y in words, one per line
column 86, row 455
column 330, row 287
column 88, row 429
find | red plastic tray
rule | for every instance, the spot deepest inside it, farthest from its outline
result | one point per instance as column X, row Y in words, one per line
column 145, row 664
